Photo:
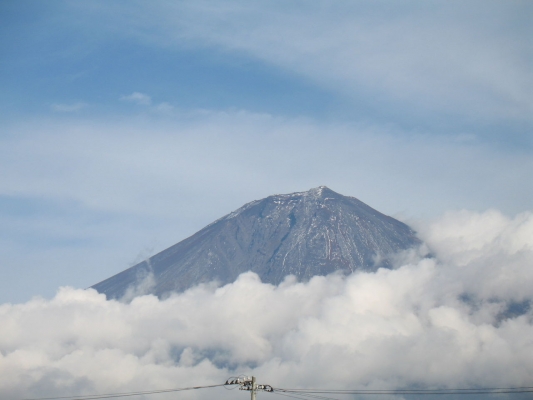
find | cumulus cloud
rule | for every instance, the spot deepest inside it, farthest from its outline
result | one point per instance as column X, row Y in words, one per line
column 138, row 98
column 438, row 322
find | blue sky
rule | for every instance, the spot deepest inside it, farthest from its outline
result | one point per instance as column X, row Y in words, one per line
column 128, row 126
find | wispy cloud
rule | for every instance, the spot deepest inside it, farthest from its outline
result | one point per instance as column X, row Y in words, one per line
column 139, row 98
column 68, row 108
column 164, row 108
column 250, row 156
column 469, row 60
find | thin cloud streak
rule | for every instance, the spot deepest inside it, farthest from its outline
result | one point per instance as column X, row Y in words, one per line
column 469, row 60
column 146, row 165
column 138, row 98
column 68, row 108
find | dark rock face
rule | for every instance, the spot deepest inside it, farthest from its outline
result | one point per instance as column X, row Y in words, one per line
column 303, row 234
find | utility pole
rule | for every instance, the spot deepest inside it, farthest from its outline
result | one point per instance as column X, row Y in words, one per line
column 249, row 383
column 254, row 387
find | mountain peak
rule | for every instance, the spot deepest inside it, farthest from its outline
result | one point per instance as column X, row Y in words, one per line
column 321, row 191
column 318, row 191
column 310, row 233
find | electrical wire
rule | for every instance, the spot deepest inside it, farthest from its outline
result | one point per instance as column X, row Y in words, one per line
column 304, row 396
column 507, row 390
column 313, row 396
column 124, row 394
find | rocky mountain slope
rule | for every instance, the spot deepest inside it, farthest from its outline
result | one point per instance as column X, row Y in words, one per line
column 304, row 234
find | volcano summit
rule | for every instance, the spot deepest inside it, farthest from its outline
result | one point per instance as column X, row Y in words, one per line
column 303, row 234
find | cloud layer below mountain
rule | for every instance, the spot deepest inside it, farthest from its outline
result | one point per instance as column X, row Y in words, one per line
column 459, row 319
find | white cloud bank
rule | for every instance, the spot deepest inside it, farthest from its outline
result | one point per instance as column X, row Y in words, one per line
column 449, row 321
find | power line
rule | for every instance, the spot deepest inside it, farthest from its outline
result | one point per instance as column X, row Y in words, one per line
column 304, row 396
column 248, row 383
column 124, row 394
column 410, row 390
column 309, row 392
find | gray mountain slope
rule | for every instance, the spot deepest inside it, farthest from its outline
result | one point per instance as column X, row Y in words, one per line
column 304, row 234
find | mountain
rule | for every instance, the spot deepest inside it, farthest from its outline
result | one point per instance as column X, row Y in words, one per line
column 304, row 234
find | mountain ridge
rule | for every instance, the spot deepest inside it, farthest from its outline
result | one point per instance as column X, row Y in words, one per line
column 310, row 233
